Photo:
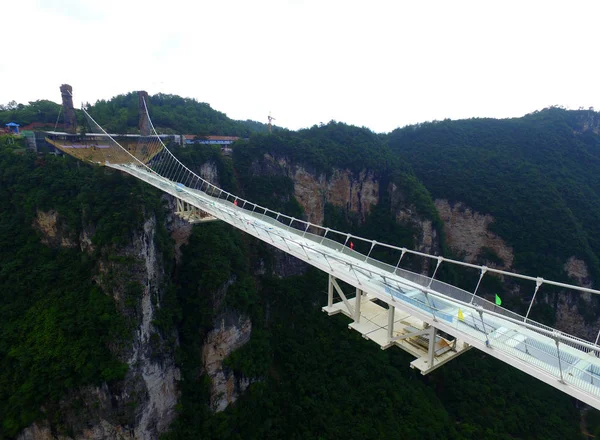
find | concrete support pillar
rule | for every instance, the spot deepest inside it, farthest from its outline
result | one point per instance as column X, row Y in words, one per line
column 391, row 310
column 432, row 332
column 357, row 305
column 330, row 292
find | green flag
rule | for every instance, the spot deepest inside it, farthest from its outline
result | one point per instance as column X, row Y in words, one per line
column 498, row 300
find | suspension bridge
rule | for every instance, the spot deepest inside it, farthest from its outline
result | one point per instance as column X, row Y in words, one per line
column 389, row 305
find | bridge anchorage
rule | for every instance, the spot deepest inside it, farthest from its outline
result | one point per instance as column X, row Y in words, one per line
column 390, row 305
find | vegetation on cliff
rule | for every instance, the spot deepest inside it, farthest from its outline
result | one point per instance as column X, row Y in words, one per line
column 56, row 322
column 170, row 113
column 42, row 111
column 317, row 379
column 321, row 149
column 120, row 114
column 537, row 175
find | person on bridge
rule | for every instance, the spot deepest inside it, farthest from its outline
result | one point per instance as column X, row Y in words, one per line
column 351, row 246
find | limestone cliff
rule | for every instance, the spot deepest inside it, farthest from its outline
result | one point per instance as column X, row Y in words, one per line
column 52, row 232
column 231, row 331
column 588, row 120
column 143, row 404
column 578, row 271
column 208, row 171
column 571, row 305
column 355, row 192
column 426, row 238
column 468, row 235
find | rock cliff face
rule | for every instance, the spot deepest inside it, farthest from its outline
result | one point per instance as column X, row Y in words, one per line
column 578, row 271
column 467, row 234
column 231, row 331
column 570, row 304
column 426, row 240
column 589, row 121
column 356, row 193
column 52, row 233
column 208, row 171
column 143, row 404
column 159, row 376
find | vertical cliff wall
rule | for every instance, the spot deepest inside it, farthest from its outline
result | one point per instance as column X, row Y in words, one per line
column 355, row 193
column 143, row 404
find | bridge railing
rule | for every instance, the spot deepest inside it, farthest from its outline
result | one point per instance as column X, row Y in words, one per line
column 556, row 360
column 303, row 228
column 169, row 167
column 556, row 354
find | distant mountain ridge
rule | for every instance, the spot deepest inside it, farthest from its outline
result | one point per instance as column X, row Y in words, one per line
column 170, row 113
column 539, row 176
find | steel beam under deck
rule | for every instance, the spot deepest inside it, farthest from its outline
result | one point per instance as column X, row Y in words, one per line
column 381, row 325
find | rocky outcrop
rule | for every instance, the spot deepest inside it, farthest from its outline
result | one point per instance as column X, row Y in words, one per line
column 588, row 120
column 53, row 232
column 208, row 171
column 577, row 270
column 231, row 331
column 468, row 235
column 159, row 375
column 94, row 403
column 571, row 304
column 356, row 193
column 568, row 315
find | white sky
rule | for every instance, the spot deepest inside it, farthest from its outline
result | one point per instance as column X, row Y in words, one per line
column 379, row 64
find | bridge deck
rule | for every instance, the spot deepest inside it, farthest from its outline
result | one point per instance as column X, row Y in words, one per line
column 570, row 367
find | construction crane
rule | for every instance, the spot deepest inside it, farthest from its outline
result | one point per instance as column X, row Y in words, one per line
column 271, row 118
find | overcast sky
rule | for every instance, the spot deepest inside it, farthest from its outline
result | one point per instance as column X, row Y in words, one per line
column 379, row 64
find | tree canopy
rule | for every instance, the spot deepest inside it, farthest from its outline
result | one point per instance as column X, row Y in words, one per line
column 537, row 175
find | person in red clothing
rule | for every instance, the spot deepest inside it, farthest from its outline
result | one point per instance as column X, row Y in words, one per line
column 351, row 246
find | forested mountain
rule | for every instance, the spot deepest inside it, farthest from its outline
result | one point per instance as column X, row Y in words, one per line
column 106, row 322
column 59, row 326
column 539, row 176
column 170, row 114
column 63, row 331
column 36, row 111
